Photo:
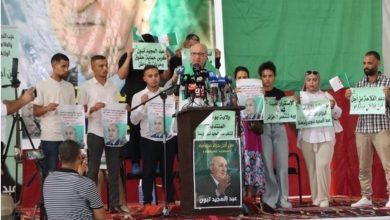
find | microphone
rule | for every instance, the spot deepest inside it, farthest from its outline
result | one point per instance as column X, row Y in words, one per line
column 200, row 80
column 221, row 85
column 229, row 81
column 187, row 88
column 180, row 78
column 179, row 73
column 213, row 79
column 196, row 68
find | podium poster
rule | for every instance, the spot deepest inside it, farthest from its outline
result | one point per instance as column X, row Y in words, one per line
column 73, row 123
column 115, row 124
column 220, row 124
column 156, row 117
column 249, row 95
column 217, row 174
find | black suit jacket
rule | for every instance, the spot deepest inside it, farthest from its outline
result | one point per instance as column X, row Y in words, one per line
column 117, row 142
column 206, row 192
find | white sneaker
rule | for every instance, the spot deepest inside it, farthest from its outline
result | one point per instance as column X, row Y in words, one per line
column 362, row 202
column 388, row 204
column 324, row 203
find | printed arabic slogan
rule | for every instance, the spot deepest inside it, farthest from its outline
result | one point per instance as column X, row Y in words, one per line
column 73, row 122
column 314, row 114
column 218, row 125
column 149, row 54
column 9, row 50
column 217, row 174
column 115, row 124
column 280, row 111
column 367, row 100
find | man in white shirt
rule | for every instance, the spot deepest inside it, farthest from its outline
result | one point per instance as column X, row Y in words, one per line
column 11, row 106
column 51, row 93
column 95, row 94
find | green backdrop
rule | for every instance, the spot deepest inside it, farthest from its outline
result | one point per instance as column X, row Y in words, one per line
column 330, row 36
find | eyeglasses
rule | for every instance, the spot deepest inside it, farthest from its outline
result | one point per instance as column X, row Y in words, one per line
column 198, row 54
column 312, row 72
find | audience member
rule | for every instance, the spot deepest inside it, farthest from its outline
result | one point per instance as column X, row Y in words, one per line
column 69, row 195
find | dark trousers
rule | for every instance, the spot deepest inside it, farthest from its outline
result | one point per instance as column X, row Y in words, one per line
column 95, row 150
column 152, row 153
column 134, row 151
column 50, row 162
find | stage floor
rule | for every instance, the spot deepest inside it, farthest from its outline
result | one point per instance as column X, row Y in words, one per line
column 339, row 208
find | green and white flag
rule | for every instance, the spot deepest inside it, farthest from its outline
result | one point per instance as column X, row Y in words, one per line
column 340, row 81
column 168, row 39
column 137, row 37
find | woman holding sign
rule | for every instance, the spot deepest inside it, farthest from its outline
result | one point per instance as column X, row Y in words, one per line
column 253, row 166
column 317, row 141
column 275, row 145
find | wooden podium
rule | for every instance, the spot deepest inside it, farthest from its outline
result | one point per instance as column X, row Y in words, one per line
column 187, row 121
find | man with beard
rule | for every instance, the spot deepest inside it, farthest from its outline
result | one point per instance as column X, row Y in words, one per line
column 372, row 131
column 51, row 93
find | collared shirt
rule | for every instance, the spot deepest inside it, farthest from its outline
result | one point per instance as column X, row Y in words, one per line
column 93, row 92
column 319, row 134
column 53, row 91
column 374, row 123
column 68, row 195
column 140, row 114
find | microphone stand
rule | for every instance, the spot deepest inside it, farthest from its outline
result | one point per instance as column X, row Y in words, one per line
column 163, row 95
column 153, row 97
column 166, row 210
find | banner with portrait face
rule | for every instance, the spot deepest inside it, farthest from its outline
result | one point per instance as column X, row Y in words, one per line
column 115, row 124
column 217, row 174
column 73, row 123
column 156, row 118
column 83, row 28
column 249, row 95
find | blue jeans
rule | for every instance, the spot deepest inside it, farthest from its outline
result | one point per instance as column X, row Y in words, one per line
column 50, row 162
column 275, row 145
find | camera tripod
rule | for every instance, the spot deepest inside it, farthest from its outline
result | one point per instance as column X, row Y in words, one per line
column 18, row 125
column 40, row 204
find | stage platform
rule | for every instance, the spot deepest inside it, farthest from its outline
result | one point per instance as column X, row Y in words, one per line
column 339, row 208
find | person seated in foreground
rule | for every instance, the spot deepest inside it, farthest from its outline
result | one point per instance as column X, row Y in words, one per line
column 66, row 193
